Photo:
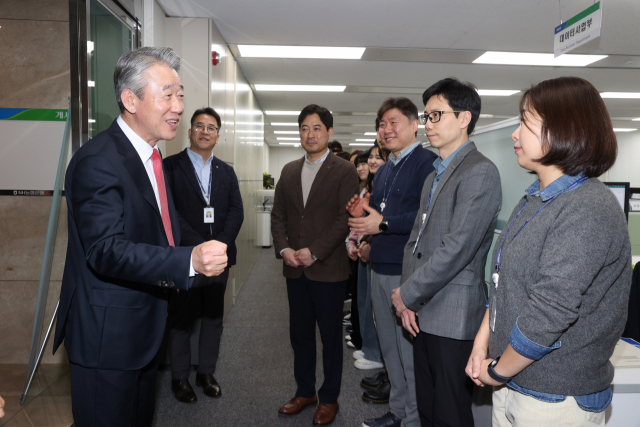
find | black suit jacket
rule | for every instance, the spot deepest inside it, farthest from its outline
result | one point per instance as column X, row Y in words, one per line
column 119, row 265
column 225, row 201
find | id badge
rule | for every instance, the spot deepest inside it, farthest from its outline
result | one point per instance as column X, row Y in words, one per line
column 492, row 312
column 208, row 215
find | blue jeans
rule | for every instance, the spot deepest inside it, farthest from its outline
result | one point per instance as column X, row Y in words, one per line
column 370, row 343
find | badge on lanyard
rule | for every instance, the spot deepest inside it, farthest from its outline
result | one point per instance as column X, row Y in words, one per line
column 208, row 215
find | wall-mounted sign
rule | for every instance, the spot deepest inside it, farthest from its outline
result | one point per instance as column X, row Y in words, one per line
column 578, row 30
column 34, row 114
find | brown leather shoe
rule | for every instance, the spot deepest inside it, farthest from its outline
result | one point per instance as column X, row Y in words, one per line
column 325, row 414
column 296, row 405
column 182, row 391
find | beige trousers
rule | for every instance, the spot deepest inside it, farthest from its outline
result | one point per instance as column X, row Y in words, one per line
column 514, row 409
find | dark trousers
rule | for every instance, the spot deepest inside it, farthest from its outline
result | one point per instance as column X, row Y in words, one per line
column 107, row 398
column 204, row 301
column 356, row 337
column 321, row 302
column 443, row 390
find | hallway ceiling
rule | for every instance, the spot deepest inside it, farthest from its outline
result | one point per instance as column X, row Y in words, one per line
column 412, row 44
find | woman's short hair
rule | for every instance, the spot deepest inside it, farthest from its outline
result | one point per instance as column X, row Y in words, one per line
column 577, row 134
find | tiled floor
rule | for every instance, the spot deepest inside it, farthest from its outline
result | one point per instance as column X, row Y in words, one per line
column 48, row 402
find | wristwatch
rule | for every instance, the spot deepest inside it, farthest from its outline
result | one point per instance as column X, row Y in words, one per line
column 313, row 257
column 384, row 226
column 496, row 376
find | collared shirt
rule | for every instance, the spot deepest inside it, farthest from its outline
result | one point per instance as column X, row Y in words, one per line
column 203, row 171
column 404, row 153
column 556, row 187
column 441, row 166
column 320, row 160
column 594, row 402
column 145, row 151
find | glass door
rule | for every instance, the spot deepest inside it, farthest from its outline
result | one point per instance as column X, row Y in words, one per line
column 111, row 32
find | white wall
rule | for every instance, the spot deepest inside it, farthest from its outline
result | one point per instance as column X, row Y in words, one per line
column 280, row 156
column 627, row 167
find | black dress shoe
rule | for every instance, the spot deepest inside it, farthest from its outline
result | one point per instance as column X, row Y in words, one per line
column 375, row 381
column 379, row 395
column 209, row 385
column 183, row 392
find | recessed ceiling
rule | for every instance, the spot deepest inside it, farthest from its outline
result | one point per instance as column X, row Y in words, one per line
column 412, row 45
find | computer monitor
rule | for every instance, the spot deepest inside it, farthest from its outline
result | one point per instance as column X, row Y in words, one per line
column 622, row 191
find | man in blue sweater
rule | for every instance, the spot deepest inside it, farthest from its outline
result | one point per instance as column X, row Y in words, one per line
column 391, row 212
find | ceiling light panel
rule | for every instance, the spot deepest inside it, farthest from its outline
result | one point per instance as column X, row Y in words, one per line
column 281, row 138
column 365, row 140
column 537, row 59
column 621, row 95
column 370, row 133
column 624, row 129
column 300, row 52
column 282, row 113
column 361, row 145
column 288, row 132
column 491, row 92
column 295, row 144
column 299, row 88
column 283, row 124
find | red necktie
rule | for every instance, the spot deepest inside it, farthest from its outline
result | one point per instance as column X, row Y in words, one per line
column 162, row 192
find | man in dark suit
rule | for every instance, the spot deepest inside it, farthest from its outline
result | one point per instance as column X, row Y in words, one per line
column 123, row 254
column 206, row 194
column 309, row 227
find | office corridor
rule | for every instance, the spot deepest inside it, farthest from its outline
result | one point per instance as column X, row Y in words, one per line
column 255, row 368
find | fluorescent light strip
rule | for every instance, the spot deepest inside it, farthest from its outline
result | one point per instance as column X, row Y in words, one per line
column 621, row 95
column 365, row 140
column 491, row 92
column 282, row 113
column 251, row 137
column 300, row 52
column 284, row 124
column 361, row 145
column 250, row 131
column 295, row 144
column 287, row 132
column 636, row 120
column 280, row 138
column 370, row 133
column 537, row 59
column 299, row 88
column 624, row 129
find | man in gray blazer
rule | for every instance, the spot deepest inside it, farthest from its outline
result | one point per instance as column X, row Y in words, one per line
column 443, row 265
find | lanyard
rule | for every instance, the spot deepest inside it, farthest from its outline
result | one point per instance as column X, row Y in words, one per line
column 386, row 195
column 574, row 185
column 205, row 193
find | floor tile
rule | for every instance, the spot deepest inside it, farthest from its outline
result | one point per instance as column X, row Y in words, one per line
column 62, row 386
column 50, row 411
column 19, row 420
column 12, row 380
column 12, row 407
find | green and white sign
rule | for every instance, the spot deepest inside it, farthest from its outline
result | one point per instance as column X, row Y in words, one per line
column 578, row 30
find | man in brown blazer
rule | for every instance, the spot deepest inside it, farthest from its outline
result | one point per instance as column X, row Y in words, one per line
column 309, row 226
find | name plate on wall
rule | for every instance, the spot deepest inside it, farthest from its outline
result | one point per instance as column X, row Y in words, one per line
column 27, row 193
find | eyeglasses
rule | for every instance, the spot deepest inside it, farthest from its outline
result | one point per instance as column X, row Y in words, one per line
column 434, row 116
column 199, row 127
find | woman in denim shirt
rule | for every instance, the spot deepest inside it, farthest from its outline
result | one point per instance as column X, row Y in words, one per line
column 561, row 269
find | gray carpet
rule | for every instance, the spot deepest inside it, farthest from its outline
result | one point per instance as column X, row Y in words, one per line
column 255, row 368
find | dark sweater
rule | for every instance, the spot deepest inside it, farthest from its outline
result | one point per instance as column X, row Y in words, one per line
column 565, row 278
column 401, row 207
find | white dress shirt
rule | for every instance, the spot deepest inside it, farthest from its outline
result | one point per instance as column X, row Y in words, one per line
column 145, row 151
